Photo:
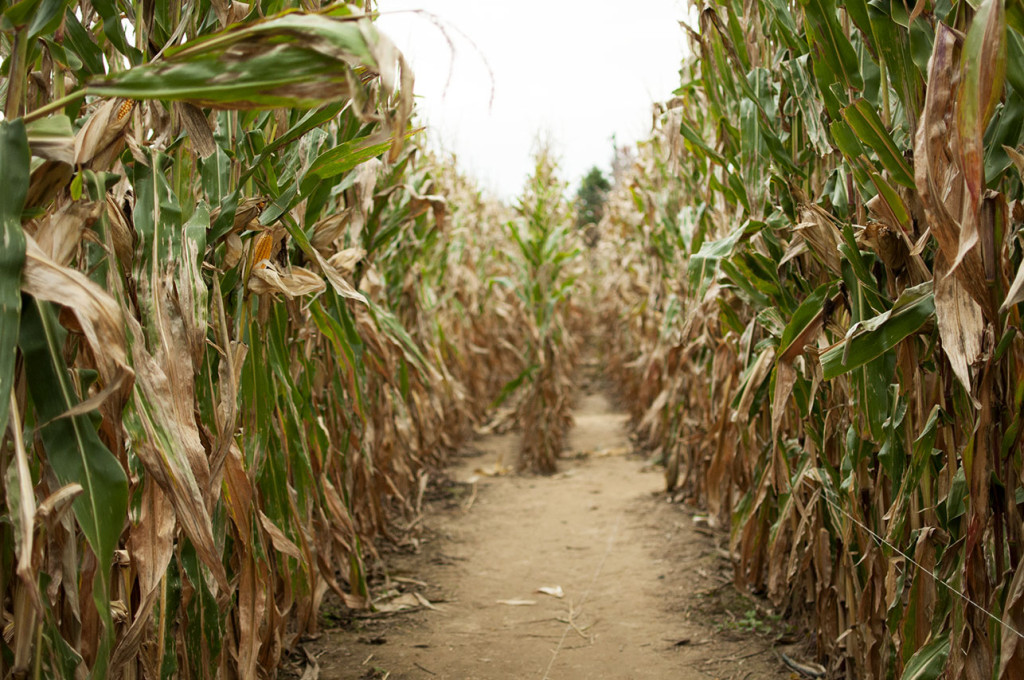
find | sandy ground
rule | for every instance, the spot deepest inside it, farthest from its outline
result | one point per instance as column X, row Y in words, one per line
column 646, row 590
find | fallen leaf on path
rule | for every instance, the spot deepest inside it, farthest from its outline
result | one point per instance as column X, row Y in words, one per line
column 612, row 451
column 808, row 669
column 425, row 602
column 553, row 591
column 497, row 470
column 400, row 603
column 375, row 640
column 500, row 422
column 518, row 603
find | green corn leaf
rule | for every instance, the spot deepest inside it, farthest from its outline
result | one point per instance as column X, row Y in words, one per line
column 1015, row 61
column 865, row 121
column 929, row 661
column 703, row 264
column 869, row 339
column 835, row 60
column 806, row 316
column 76, row 454
column 292, row 60
column 45, row 16
column 893, row 42
column 691, row 136
column 982, row 74
column 203, row 636
column 785, row 25
column 342, row 158
column 78, row 42
column 892, row 201
column 14, row 176
column 312, row 119
column 850, row 145
column 858, row 11
column 113, row 28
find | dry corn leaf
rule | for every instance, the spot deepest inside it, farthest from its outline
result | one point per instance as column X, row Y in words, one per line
column 165, row 434
column 1011, row 661
column 267, row 277
column 198, row 127
column 281, row 543
column 496, row 470
column 98, row 316
column 961, row 325
column 611, row 451
column 553, row 591
column 59, row 234
column 345, row 261
column 403, row 602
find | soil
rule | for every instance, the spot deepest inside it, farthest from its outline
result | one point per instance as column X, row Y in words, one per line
column 646, row 584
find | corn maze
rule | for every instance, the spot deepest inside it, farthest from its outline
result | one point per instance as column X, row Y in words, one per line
column 244, row 308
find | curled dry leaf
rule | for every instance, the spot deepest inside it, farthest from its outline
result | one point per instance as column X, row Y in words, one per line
column 419, row 204
column 233, row 249
column 553, row 591
column 940, row 182
column 98, row 316
column 345, row 261
column 198, row 127
column 362, row 190
column 280, row 542
column 122, row 234
column 961, row 325
column 59, row 234
column 327, row 231
column 267, row 277
column 248, row 210
column 340, row 284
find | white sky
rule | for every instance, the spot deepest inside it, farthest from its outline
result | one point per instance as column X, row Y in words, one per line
column 576, row 71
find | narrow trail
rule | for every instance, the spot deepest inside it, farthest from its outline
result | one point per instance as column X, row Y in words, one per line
column 646, row 595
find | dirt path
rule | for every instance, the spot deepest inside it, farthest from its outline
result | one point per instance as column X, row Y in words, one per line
column 645, row 594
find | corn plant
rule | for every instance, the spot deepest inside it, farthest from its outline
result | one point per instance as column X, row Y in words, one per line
column 824, row 236
column 541, row 233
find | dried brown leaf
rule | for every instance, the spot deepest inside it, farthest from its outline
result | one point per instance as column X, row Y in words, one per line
column 295, row 282
column 961, row 325
column 198, row 127
column 97, row 314
column 280, row 542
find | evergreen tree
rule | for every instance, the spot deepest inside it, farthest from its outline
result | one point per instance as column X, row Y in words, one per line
column 590, row 198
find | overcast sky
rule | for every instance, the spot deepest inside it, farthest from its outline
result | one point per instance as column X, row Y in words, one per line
column 576, row 71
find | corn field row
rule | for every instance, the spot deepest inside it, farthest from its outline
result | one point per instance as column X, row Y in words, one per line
column 813, row 303
column 244, row 311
